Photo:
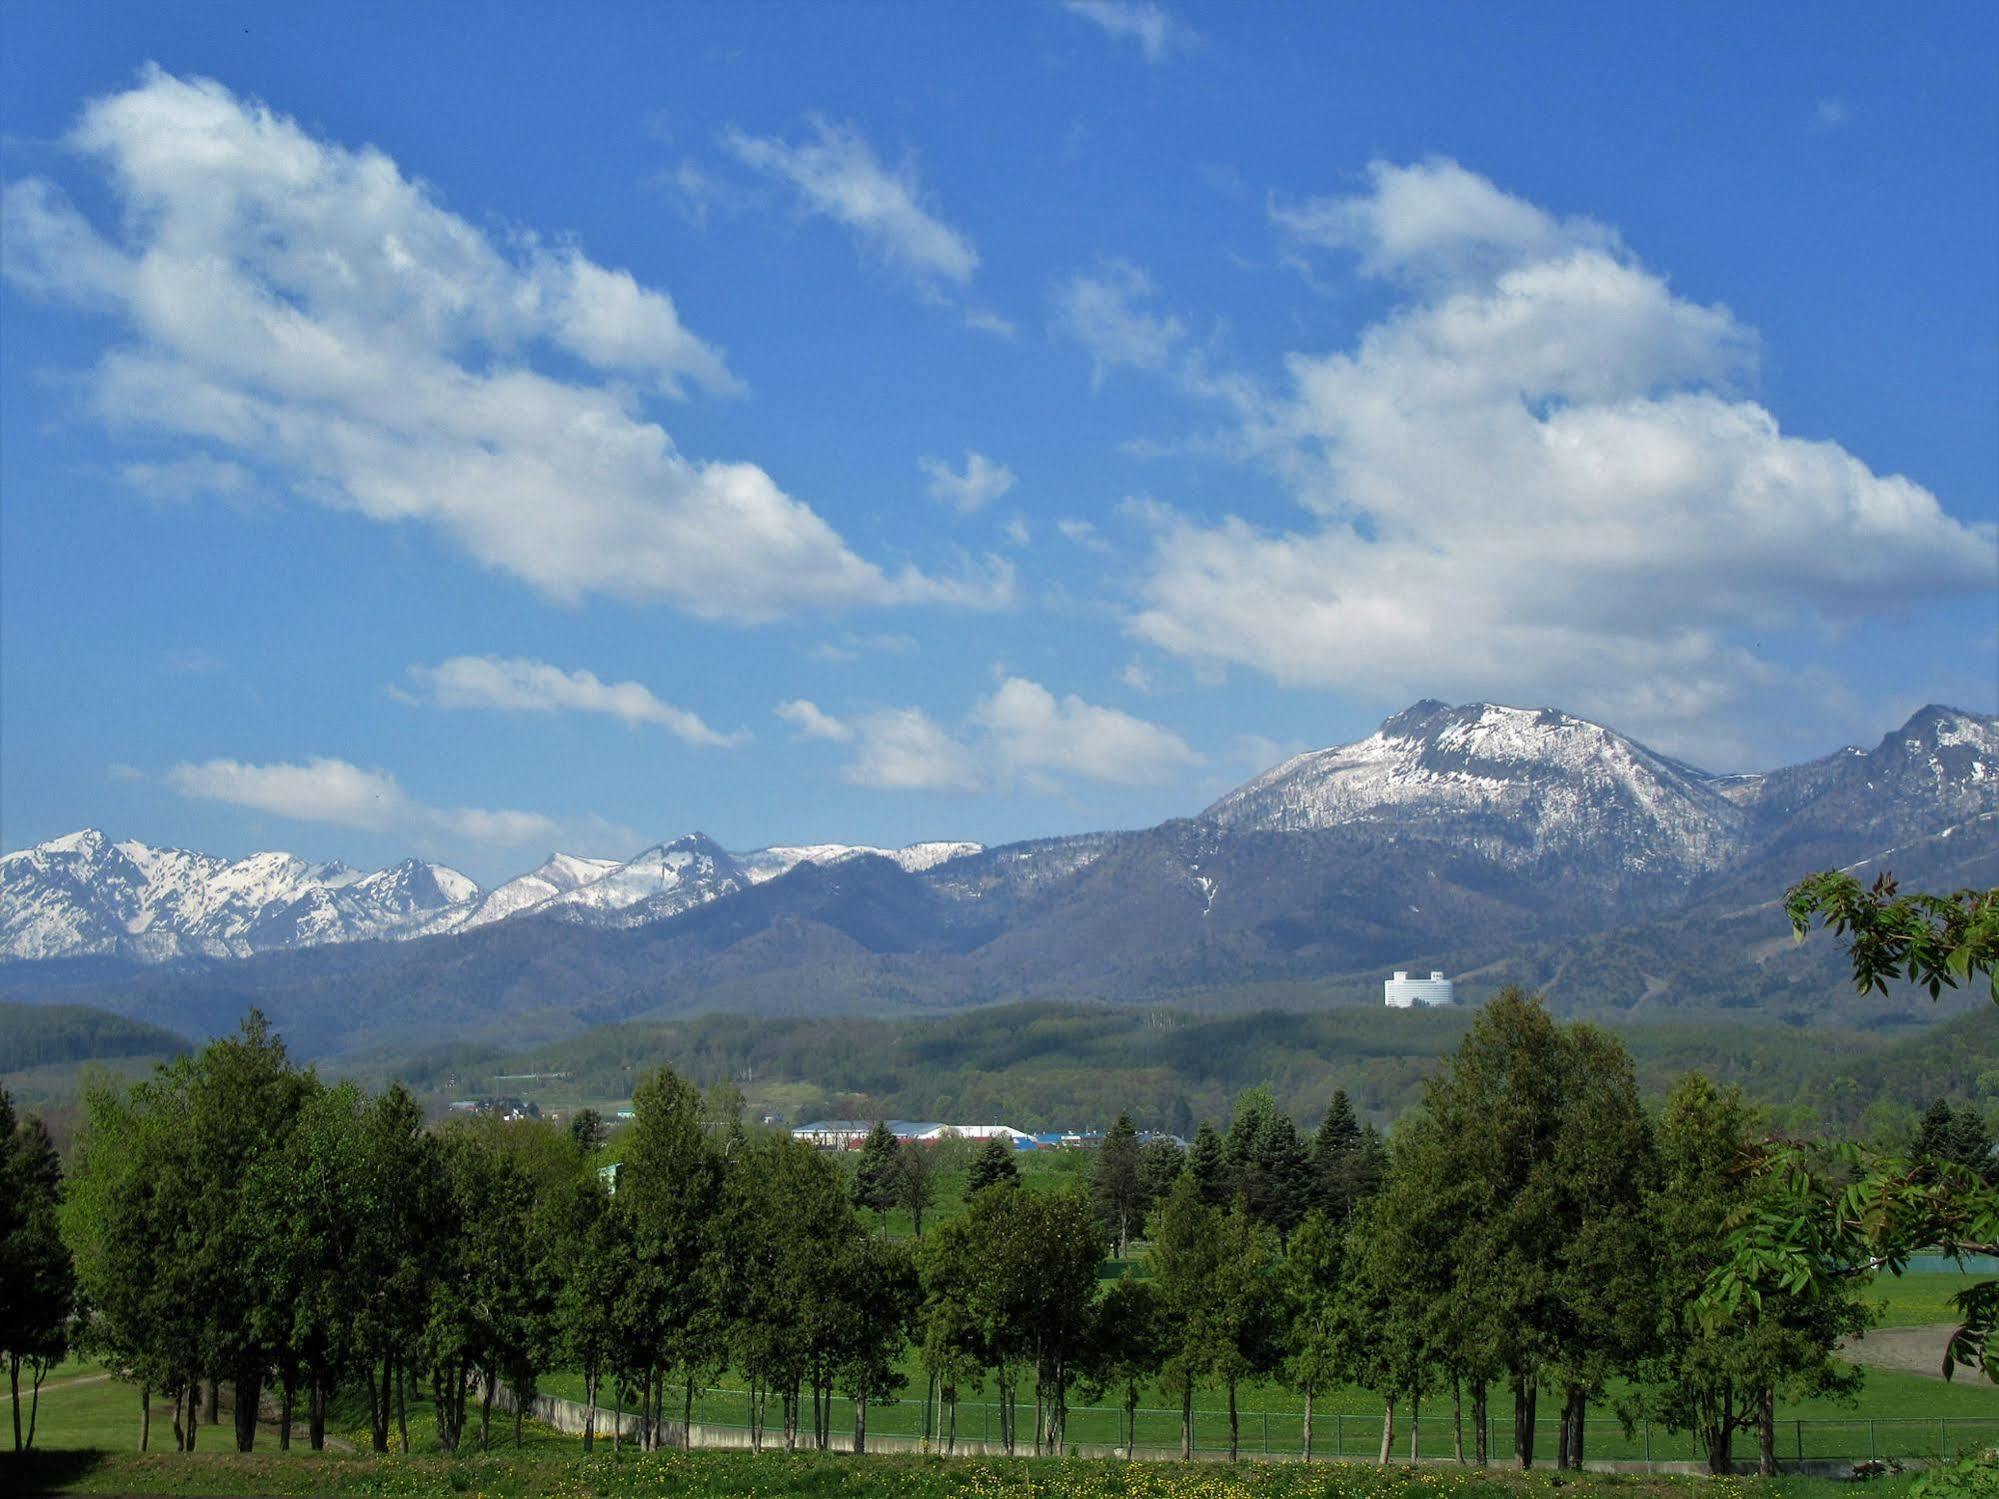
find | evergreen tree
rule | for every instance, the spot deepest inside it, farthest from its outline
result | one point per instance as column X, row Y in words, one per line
column 1160, row 1163
column 878, row 1174
column 1208, row 1165
column 1117, row 1184
column 1127, row 1347
column 1186, row 1253
column 993, row 1166
column 1948, row 1136
column 916, row 1183
column 588, row 1131
column 1315, row 1274
column 1334, row 1150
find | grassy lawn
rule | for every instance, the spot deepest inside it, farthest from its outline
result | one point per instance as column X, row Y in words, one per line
column 730, row 1475
column 1920, row 1298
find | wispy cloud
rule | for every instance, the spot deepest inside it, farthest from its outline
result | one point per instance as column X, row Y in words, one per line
column 520, row 685
column 982, row 482
column 1103, row 311
column 836, row 173
column 341, row 794
column 810, row 722
column 1156, row 32
column 1020, row 734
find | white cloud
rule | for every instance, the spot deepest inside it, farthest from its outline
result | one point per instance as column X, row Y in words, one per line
column 344, row 795
column 1016, row 530
column 1083, row 533
column 836, row 173
column 1533, row 479
column 805, row 716
column 182, row 480
column 904, row 749
column 1033, row 732
column 1020, row 733
column 1157, row 33
column 314, row 314
column 520, row 685
column 1829, row 114
column 1102, row 313
column 985, row 320
column 982, row 482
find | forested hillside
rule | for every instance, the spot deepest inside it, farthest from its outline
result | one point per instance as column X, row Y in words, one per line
column 1049, row 1065
column 42, row 1035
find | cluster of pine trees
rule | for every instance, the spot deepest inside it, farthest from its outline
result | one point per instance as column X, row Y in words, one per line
column 233, row 1222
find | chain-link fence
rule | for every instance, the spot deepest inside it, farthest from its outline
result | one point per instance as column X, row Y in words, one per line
column 1156, row 1432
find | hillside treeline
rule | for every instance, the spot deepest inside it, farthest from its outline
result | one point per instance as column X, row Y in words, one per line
column 39, row 1035
column 1531, row 1230
column 1047, row 1065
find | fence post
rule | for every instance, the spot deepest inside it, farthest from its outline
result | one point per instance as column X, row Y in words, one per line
column 1339, row 1435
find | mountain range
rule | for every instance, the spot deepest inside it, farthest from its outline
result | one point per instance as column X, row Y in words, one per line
column 1502, row 844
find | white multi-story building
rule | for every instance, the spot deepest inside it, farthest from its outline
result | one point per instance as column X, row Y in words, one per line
column 1403, row 993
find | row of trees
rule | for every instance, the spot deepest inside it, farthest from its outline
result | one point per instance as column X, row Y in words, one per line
column 237, row 1224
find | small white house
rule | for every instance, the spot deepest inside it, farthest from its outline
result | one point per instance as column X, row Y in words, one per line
column 1404, row 993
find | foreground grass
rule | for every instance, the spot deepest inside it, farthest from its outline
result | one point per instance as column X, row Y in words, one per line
column 741, row 1475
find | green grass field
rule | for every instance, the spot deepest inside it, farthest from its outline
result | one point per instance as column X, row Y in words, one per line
column 1920, row 1298
column 771, row 1475
column 88, row 1430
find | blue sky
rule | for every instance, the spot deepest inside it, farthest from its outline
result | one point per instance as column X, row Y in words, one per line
column 475, row 430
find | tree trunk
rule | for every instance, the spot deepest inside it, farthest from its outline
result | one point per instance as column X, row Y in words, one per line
column 1478, row 1421
column 1720, row 1438
column 1525, row 1392
column 1130, row 1418
column 289, row 1390
column 315, row 1413
column 1416, row 1426
column 486, row 1387
column 1562, row 1441
column 1235, row 1422
column 248, row 1392
column 214, row 1400
column 1579, row 1402
column 402, row 1406
column 1766, row 1432
column 1187, row 1422
column 14, row 1383
column 145, row 1417
column 589, row 1408
column 951, row 1437
column 1308, row 1423
column 687, row 1414
column 38, row 1369
column 1387, row 1431
column 861, row 1420
column 618, row 1410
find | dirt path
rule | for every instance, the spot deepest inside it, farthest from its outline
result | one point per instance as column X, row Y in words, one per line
column 1907, row 1350
column 7, row 1396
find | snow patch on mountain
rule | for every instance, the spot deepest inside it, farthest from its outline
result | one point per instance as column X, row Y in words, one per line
column 82, row 895
column 763, row 864
column 1520, row 785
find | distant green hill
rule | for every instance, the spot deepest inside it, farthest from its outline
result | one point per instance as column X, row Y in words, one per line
column 1047, row 1064
column 43, row 1035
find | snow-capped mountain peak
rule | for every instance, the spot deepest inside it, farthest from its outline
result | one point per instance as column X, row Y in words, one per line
column 82, row 895
column 1521, row 785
